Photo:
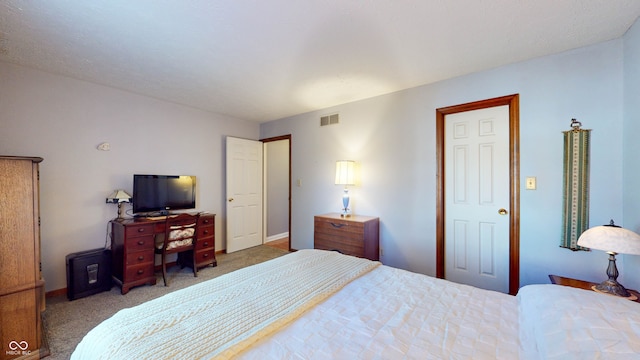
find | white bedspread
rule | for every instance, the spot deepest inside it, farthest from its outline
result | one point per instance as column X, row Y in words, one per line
column 389, row 313
column 559, row 322
column 395, row 314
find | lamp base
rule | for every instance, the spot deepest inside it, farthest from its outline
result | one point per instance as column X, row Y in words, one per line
column 346, row 212
column 612, row 288
column 120, row 213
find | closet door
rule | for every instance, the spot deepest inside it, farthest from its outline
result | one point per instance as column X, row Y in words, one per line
column 21, row 285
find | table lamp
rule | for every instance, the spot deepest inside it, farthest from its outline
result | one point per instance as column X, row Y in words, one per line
column 613, row 240
column 345, row 170
column 119, row 197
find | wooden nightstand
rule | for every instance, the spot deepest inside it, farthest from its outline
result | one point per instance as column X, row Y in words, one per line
column 581, row 284
column 353, row 235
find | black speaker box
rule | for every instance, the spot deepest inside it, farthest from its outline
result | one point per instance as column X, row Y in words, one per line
column 88, row 273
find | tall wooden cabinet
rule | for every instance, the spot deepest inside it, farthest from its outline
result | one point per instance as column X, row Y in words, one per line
column 21, row 283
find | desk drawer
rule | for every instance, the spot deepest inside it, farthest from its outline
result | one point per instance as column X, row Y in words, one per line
column 206, row 243
column 205, row 232
column 138, row 230
column 206, row 220
column 136, row 244
column 205, row 256
column 140, row 257
column 138, row 272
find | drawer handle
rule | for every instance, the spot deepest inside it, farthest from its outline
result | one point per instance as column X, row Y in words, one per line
column 206, row 232
column 337, row 225
column 206, row 243
column 140, row 272
column 140, row 230
column 205, row 255
column 141, row 242
column 206, row 221
column 140, row 258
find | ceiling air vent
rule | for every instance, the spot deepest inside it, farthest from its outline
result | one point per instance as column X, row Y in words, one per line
column 329, row 119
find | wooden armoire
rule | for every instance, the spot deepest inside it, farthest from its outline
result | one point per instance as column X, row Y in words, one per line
column 22, row 290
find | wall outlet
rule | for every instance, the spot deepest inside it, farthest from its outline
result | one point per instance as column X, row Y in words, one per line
column 530, row 183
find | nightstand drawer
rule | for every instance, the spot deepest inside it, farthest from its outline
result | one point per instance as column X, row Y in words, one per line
column 344, row 245
column 339, row 227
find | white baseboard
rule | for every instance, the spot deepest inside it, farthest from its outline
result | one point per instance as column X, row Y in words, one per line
column 277, row 237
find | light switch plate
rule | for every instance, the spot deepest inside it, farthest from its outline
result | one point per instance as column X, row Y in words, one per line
column 530, row 183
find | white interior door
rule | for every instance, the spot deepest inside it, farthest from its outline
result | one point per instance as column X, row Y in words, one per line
column 477, row 198
column 244, row 194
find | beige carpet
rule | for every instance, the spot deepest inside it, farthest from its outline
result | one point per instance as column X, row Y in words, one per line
column 66, row 322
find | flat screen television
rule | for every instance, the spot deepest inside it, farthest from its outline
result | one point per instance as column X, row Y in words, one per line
column 162, row 193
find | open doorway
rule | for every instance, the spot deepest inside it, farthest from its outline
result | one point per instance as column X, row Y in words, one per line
column 277, row 190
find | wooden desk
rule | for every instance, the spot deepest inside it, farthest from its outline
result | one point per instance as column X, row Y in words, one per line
column 581, row 284
column 132, row 243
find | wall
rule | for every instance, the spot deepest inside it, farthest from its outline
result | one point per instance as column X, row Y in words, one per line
column 63, row 120
column 393, row 139
column 631, row 146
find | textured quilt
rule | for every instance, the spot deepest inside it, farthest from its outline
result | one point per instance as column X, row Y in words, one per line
column 221, row 317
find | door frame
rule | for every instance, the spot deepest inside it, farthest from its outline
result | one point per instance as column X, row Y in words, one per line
column 514, row 182
column 278, row 138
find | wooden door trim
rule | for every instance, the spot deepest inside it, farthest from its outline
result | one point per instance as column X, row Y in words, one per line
column 514, row 182
column 278, row 138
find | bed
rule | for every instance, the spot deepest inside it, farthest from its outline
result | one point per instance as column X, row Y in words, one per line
column 314, row 304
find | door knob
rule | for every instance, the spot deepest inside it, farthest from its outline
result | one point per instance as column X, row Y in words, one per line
column 502, row 212
column 230, row 199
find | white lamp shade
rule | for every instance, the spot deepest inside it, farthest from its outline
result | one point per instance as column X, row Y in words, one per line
column 345, row 172
column 611, row 239
column 119, row 196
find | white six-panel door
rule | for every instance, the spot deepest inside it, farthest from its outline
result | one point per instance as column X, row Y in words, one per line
column 477, row 198
column 244, row 194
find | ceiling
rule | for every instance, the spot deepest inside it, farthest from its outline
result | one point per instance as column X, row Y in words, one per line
column 262, row 60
